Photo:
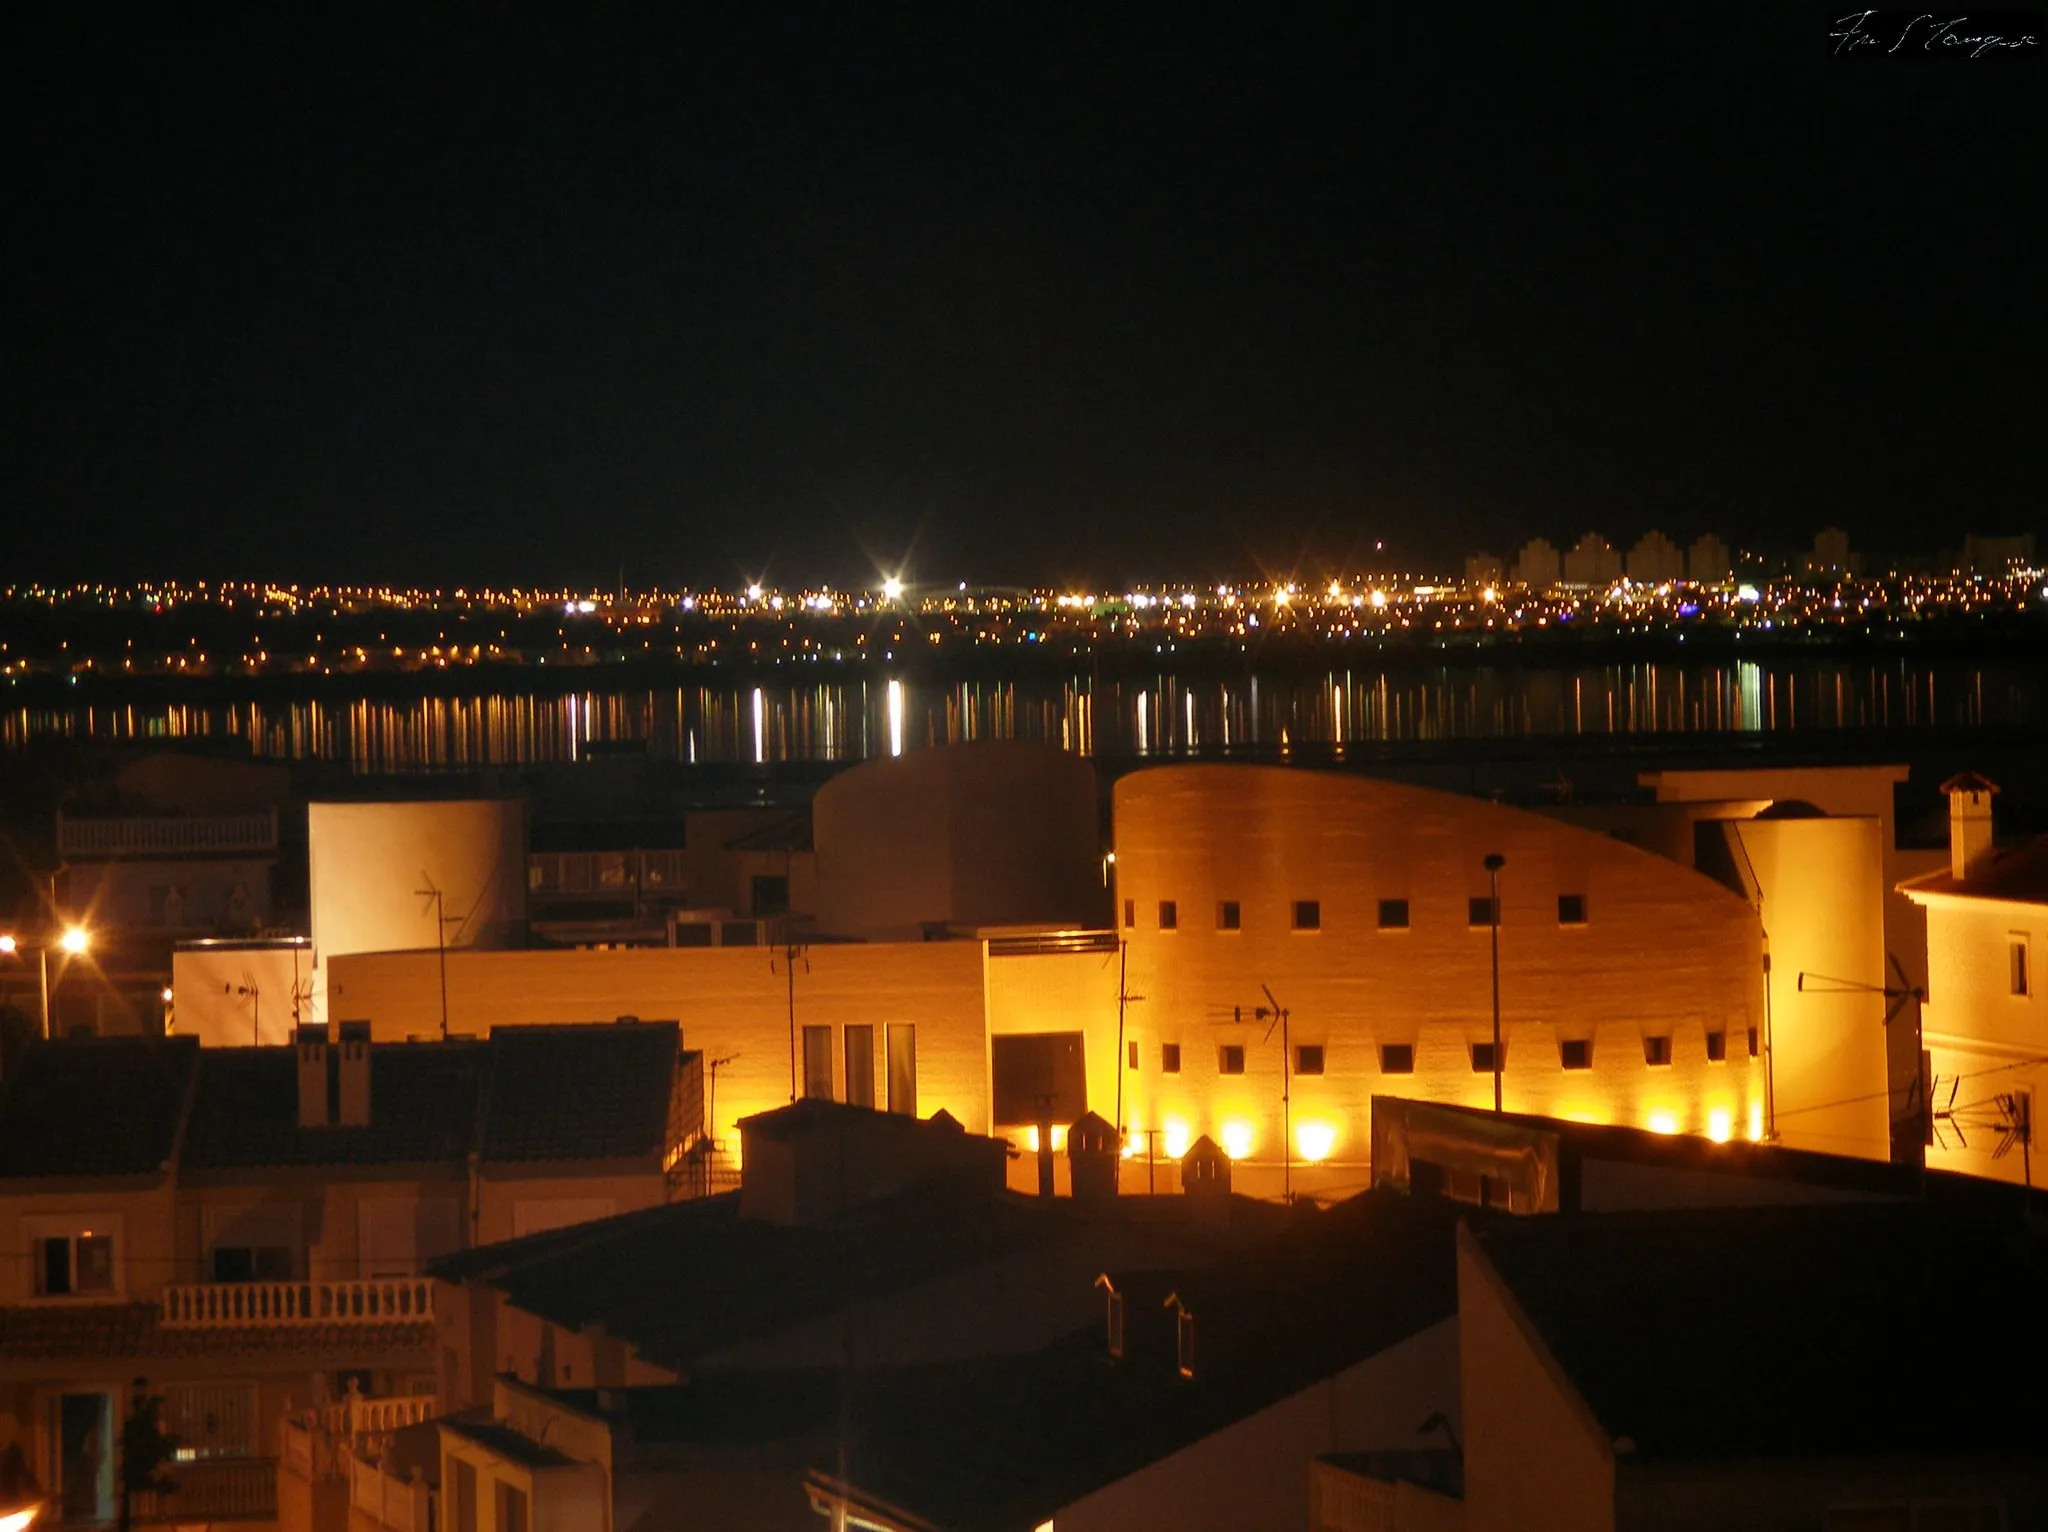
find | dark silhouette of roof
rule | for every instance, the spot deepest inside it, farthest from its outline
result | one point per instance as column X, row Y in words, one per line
column 1790, row 1332
column 2017, row 874
column 115, row 1106
column 95, row 1106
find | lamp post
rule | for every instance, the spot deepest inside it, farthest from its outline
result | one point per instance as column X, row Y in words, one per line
column 1494, row 863
column 72, row 941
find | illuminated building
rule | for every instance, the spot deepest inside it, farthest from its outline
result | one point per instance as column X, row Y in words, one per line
column 1985, row 1025
column 1655, row 560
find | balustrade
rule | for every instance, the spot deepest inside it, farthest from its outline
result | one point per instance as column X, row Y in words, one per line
column 370, row 1300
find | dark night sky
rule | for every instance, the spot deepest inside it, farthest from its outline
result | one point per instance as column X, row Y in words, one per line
column 1038, row 293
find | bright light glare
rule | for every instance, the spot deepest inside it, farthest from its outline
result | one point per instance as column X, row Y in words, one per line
column 1663, row 1122
column 167, row 996
column 892, row 589
column 1237, row 1139
column 1177, row 1139
column 1756, row 1122
column 7, row 945
column 74, row 940
column 17, row 1521
column 753, row 593
column 1379, row 600
column 1720, row 1125
column 1315, row 1140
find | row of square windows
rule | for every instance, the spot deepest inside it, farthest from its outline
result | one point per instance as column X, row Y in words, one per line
column 1307, row 914
column 1399, row 1058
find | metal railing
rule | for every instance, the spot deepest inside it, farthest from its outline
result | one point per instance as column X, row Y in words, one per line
column 232, row 1489
column 1052, row 943
column 201, row 835
column 370, row 1300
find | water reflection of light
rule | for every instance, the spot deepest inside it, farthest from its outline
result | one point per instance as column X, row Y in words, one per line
column 895, row 717
column 760, row 728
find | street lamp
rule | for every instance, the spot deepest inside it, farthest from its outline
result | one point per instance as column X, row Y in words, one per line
column 72, row 941
column 1494, row 863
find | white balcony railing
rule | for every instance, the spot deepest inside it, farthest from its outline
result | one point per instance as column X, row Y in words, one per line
column 89, row 840
column 369, row 1300
column 356, row 1417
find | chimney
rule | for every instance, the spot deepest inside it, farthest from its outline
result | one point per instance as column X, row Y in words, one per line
column 312, row 1046
column 1092, row 1148
column 1969, row 823
column 355, row 1075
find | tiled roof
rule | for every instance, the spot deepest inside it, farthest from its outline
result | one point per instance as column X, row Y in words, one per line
column 30, row 1332
column 1779, row 1332
column 113, row 1106
column 423, row 1100
column 2014, row 874
column 95, row 1106
column 558, row 1095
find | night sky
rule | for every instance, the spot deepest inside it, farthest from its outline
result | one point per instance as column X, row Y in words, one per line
column 1036, row 293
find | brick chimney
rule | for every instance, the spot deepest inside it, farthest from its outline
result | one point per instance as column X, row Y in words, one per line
column 1969, row 823
column 312, row 1049
column 355, row 1075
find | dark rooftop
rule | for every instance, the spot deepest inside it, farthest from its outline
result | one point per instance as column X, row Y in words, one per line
column 1778, row 1332
column 2017, row 874
column 95, row 1106
column 72, row 1331
column 105, row 1107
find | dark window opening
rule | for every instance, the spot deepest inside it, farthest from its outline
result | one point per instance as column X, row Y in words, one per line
column 1480, row 911
column 1038, row 1077
column 860, row 1065
column 1397, row 1058
column 818, row 1062
column 1393, row 914
column 1169, row 915
column 771, row 894
column 1227, row 915
column 1717, row 1047
column 1575, row 1053
column 1308, row 915
column 1752, row 1042
column 1169, row 1058
column 1230, row 1059
column 1308, row 1059
column 1571, row 909
column 1130, row 913
column 1483, row 1056
column 1134, row 1055
column 1656, row 1050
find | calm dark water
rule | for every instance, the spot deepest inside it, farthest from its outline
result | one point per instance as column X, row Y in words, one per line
column 1163, row 716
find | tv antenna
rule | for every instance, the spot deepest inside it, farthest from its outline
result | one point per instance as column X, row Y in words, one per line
column 1896, row 995
column 792, row 953
column 1274, row 1014
column 2009, row 1114
column 1124, row 997
column 440, row 943
column 248, row 991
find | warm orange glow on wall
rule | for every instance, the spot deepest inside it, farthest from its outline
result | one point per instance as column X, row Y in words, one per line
column 1237, row 1139
column 1720, row 1125
column 1315, row 1140
column 1756, row 1122
column 1177, row 1138
column 1663, row 1122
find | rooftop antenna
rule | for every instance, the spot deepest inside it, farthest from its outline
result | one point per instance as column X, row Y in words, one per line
column 440, row 943
column 2010, row 1114
column 1124, row 997
column 1897, row 996
column 248, row 991
column 792, row 951
column 1274, row 1014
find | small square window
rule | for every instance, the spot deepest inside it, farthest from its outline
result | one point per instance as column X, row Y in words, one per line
column 1717, row 1047
column 1752, row 1042
column 1134, row 1055
column 1169, row 915
column 1397, row 1058
column 1571, row 909
column 1230, row 1059
column 1130, row 913
column 1227, row 915
column 1308, row 915
column 1308, row 1059
column 1169, row 1058
column 1656, row 1050
column 1479, row 912
column 1393, row 914
column 1483, row 1058
column 1576, row 1053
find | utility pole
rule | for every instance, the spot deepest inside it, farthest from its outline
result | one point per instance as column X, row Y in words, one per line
column 1494, row 863
column 1123, row 998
